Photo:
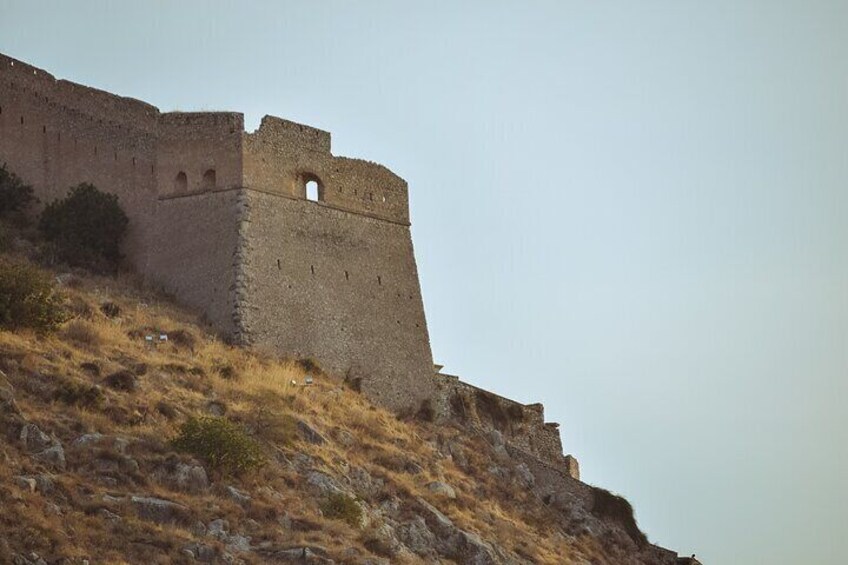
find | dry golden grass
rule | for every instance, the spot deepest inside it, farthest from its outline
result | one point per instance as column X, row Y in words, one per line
column 185, row 377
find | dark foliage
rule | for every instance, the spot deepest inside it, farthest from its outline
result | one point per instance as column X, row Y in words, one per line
column 15, row 196
column 122, row 380
column 110, row 309
column 86, row 228
column 80, row 394
column 609, row 506
column 309, row 365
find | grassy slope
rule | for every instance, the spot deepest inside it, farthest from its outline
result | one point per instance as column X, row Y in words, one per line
column 180, row 379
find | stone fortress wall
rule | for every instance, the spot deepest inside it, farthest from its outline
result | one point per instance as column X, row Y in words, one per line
column 219, row 218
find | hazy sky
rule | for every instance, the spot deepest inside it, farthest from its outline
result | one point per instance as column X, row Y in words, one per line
column 635, row 212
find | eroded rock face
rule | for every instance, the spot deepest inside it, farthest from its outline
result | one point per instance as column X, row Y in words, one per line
column 442, row 489
column 43, row 447
column 238, row 496
column 309, row 555
column 159, row 510
column 310, row 434
column 417, row 537
column 324, row 483
column 183, row 477
column 33, row 439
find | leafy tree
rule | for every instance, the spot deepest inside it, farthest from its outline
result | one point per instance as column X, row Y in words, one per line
column 86, row 227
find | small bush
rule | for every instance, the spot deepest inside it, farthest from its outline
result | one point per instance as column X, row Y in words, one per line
column 110, row 309
column 28, row 299
column 122, row 380
column 183, row 339
column 15, row 196
column 80, row 394
column 340, row 506
column 84, row 333
column 86, row 228
column 222, row 444
column 309, row 365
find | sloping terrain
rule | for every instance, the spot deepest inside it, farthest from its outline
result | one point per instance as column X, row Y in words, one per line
column 90, row 470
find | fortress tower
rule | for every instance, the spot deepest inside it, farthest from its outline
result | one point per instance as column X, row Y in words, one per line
column 220, row 219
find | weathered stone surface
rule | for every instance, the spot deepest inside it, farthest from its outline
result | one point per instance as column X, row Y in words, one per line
column 53, row 456
column 363, row 484
column 33, row 439
column 298, row 554
column 309, row 433
column 158, row 510
column 88, row 439
column 45, row 484
column 523, row 476
column 240, row 497
column 441, row 489
column 26, row 483
column 108, row 515
column 201, row 552
column 184, row 477
column 345, row 438
column 28, row 559
column 218, row 529
column 323, row 483
column 417, row 537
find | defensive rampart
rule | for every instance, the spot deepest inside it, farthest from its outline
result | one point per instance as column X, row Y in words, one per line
column 219, row 218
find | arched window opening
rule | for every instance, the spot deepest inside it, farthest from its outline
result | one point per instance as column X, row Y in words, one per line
column 312, row 191
column 209, row 179
column 181, row 183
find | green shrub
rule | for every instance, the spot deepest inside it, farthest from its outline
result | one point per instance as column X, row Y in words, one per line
column 222, row 444
column 340, row 506
column 15, row 196
column 86, row 228
column 28, row 299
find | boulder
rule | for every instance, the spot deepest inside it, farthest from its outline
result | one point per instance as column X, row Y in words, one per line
column 34, row 440
column 363, row 483
column 158, row 510
column 26, row 483
column 417, row 537
column 441, row 489
column 184, row 477
column 53, row 456
column 240, row 497
column 201, row 552
column 323, row 483
column 310, row 434
column 108, row 515
column 299, row 554
column 524, row 477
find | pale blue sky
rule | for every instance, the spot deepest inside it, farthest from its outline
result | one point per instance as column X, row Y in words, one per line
column 635, row 212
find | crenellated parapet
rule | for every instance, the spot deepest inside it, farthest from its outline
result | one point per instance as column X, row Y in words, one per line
column 281, row 157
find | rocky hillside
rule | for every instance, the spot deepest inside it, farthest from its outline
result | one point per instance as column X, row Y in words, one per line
column 131, row 435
